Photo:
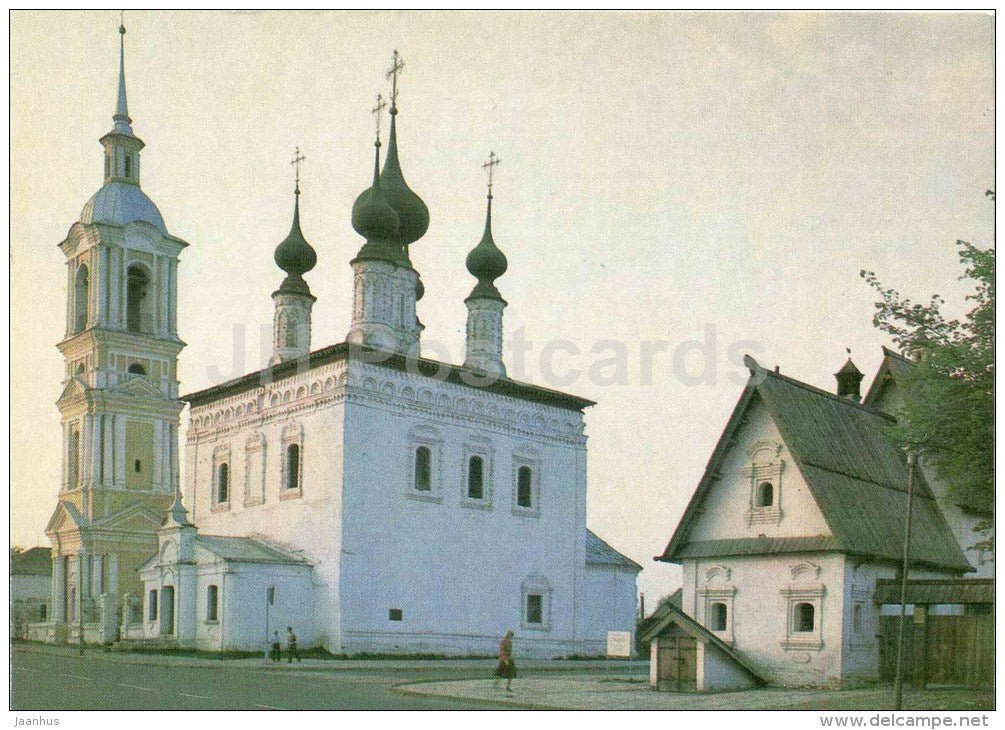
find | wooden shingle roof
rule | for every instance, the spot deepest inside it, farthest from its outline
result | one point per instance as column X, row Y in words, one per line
column 856, row 474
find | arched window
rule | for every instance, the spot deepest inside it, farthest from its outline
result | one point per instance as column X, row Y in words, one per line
column 80, row 299
column 137, row 369
column 717, row 619
column 804, row 617
column 293, row 466
column 129, row 161
column 212, row 596
column 524, row 478
column 108, row 165
column 290, row 326
column 765, row 494
column 476, row 477
column 423, row 469
column 43, row 612
column 223, row 483
column 138, row 284
column 152, row 605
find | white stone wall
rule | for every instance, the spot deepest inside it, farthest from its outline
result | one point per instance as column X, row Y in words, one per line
column 254, row 427
column 726, row 513
column 718, row 672
column 455, row 567
column 760, row 614
column 609, row 604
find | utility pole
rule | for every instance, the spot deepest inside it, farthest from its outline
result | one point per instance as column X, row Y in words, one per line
column 898, row 682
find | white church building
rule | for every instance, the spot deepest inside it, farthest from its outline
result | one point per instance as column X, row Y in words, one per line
column 372, row 499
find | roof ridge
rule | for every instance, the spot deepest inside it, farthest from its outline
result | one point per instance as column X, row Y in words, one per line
column 894, row 353
column 832, row 396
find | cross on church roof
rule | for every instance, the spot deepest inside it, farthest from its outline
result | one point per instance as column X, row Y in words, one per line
column 376, row 111
column 392, row 73
column 490, row 166
column 297, row 159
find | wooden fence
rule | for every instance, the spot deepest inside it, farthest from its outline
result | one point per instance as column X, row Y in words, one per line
column 946, row 650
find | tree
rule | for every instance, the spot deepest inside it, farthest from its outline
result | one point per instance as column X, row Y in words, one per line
column 948, row 414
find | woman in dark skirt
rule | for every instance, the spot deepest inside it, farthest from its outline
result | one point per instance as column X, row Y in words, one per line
column 506, row 669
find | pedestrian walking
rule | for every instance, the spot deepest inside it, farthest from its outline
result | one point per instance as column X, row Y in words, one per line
column 506, row 669
column 291, row 646
column 277, row 647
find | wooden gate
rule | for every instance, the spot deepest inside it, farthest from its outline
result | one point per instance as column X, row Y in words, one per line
column 950, row 650
column 677, row 662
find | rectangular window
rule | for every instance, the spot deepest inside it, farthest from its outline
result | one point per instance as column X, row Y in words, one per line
column 535, row 608
column 857, row 618
column 152, row 607
column 293, row 466
column 423, row 469
column 476, row 477
column 523, row 487
column 212, row 596
column 395, row 614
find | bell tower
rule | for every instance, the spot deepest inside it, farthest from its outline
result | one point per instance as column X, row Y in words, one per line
column 119, row 404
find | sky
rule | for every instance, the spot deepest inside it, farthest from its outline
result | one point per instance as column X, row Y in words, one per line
column 691, row 185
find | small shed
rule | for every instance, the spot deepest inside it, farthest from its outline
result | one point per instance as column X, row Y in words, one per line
column 687, row 657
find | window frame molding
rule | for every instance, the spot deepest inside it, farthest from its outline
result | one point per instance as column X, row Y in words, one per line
column 537, row 585
column 718, row 594
column 793, row 595
column 478, row 446
column 291, row 435
column 432, row 439
column 765, row 464
column 255, row 450
column 527, row 457
column 221, row 456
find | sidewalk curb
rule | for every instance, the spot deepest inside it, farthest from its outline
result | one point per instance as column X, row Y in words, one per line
column 405, row 688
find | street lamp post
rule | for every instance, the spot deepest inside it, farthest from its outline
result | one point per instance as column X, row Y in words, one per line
column 898, row 682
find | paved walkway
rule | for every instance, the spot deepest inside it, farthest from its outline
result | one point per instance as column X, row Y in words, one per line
column 599, row 692
column 482, row 667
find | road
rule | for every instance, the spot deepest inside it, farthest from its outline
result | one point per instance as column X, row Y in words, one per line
column 100, row 681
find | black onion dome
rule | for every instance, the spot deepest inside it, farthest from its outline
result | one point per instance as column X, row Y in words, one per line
column 486, row 262
column 413, row 215
column 372, row 217
column 294, row 255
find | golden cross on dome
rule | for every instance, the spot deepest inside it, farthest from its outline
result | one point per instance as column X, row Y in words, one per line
column 392, row 74
column 297, row 159
column 490, row 166
column 376, row 111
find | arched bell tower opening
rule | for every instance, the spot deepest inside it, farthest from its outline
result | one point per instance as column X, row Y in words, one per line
column 138, row 316
column 81, row 291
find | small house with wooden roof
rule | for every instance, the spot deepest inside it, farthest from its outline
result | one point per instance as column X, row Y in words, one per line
column 798, row 514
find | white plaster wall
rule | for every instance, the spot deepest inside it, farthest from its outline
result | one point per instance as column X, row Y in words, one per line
column 725, row 509
column 609, row 604
column 454, row 570
column 311, row 522
column 721, row 673
column 242, row 607
column 760, row 612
